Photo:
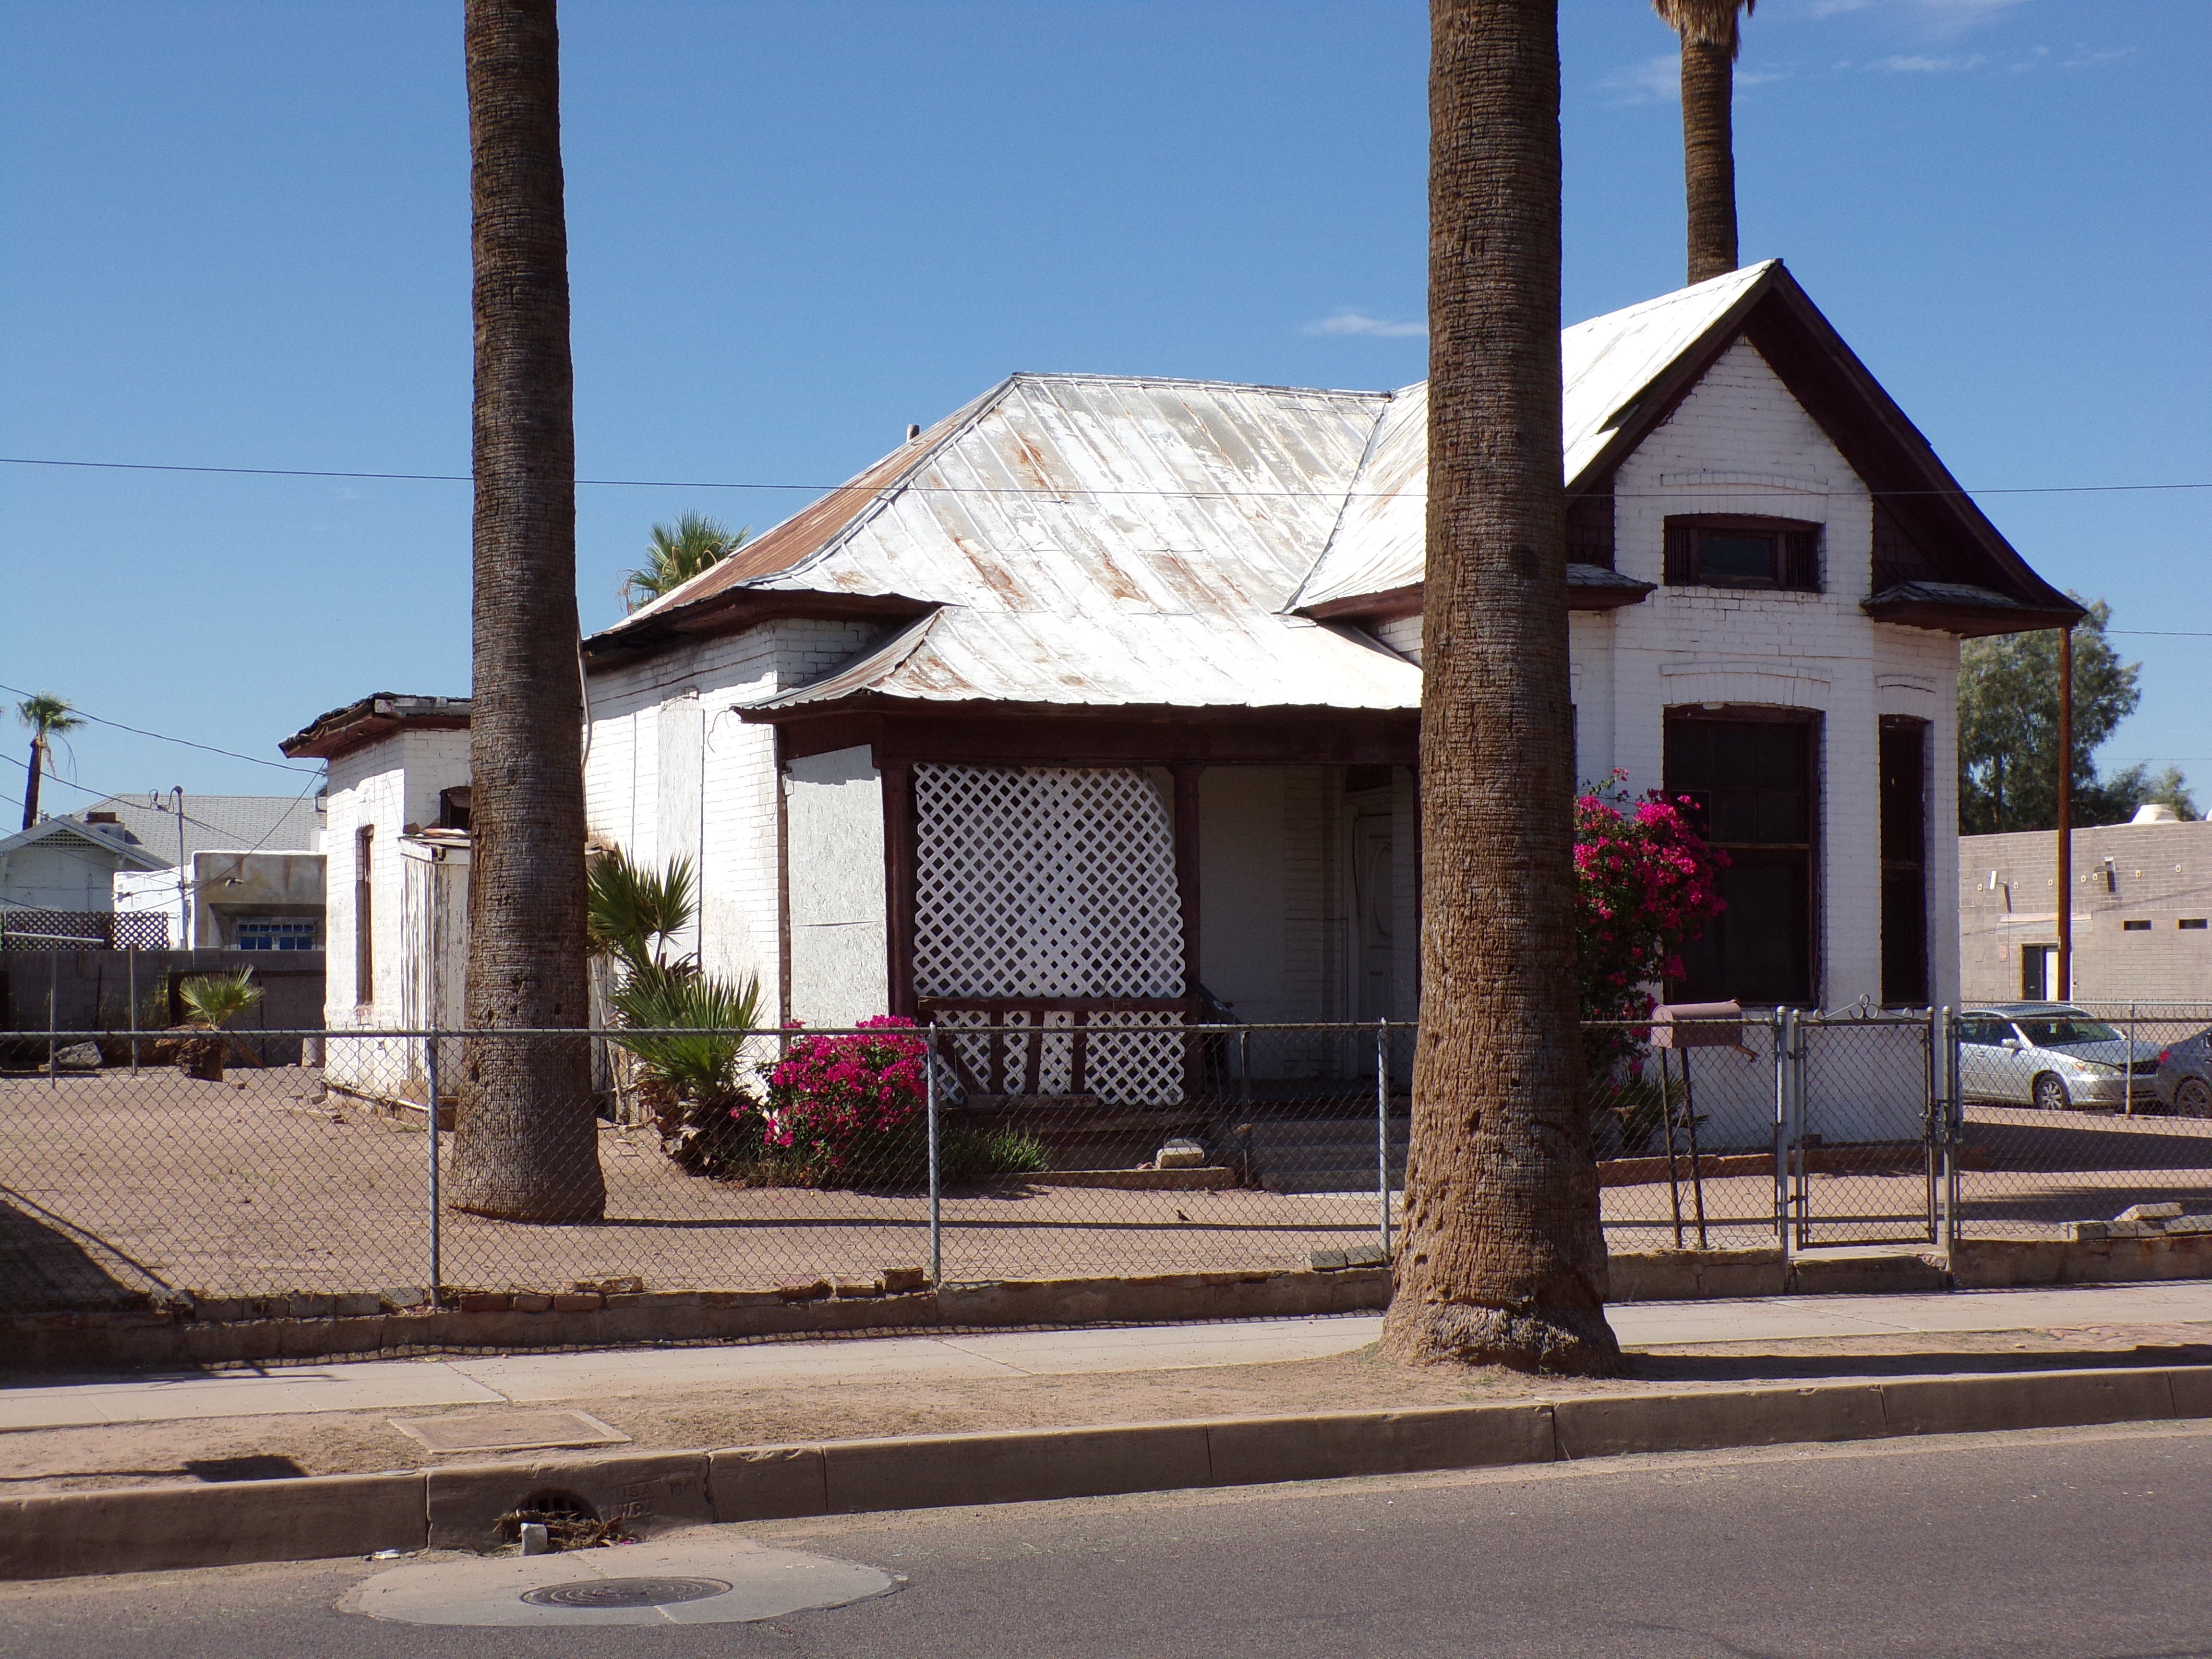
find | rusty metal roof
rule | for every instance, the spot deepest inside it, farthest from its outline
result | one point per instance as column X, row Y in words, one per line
column 1098, row 540
column 1607, row 362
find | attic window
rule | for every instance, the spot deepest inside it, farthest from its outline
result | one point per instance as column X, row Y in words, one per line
column 1736, row 550
column 2191, row 922
column 2135, row 927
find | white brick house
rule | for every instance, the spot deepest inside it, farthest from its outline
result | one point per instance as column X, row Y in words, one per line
column 396, row 862
column 855, row 723
column 1100, row 698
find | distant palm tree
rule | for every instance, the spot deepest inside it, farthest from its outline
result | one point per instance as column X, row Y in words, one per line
column 1503, row 1261
column 1710, row 42
column 526, row 1135
column 674, row 557
column 212, row 1002
column 48, row 717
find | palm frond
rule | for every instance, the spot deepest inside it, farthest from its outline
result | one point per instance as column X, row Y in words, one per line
column 214, row 999
column 1706, row 23
column 675, row 554
column 631, row 911
column 48, row 714
column 661, row 1001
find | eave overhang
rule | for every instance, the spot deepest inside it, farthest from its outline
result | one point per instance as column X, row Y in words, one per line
column 734, row 610
column 1589, row 588
column 377, row 715
column 1968, row 611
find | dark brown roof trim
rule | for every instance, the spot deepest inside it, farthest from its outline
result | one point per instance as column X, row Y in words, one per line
column 1589, row 588
column 378, row 714
column 735, row 610
column 1963, row 608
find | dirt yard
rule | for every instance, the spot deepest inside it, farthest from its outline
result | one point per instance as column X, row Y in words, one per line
column 111, row 1186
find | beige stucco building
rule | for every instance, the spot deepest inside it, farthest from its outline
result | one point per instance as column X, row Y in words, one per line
column 2142, row 914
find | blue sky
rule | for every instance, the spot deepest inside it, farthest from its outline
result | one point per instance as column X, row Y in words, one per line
column 235, row 234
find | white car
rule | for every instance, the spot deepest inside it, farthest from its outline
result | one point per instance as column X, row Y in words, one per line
column 2050, row 1055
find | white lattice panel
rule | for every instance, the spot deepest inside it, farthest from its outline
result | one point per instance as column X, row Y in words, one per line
column 1052, row 882
column 1044, row 881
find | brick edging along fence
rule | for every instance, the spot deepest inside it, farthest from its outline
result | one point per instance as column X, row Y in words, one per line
column 263, row 1329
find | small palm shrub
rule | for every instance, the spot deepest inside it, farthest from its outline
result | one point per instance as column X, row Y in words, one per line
column 212, row 1002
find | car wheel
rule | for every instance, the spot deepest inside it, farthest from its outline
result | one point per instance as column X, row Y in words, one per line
column 2192, row 1097
column 2050, row 1094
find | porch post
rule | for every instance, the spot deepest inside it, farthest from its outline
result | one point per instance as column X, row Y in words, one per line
column 898, row 880
column 1186, row 775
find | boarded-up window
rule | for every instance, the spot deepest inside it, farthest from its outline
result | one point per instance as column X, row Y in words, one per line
column 364, row 918
column 1903, row 861
column 1751, row 778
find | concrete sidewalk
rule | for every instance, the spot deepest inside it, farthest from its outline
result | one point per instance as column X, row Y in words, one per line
column 383, row 1385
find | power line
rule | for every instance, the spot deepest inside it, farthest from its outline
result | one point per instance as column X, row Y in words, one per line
column 1046, row 491
column 161, row 737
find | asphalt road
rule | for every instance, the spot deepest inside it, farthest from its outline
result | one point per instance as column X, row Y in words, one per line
column 2090, row 1543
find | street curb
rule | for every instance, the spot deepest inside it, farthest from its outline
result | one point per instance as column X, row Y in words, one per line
column 139, row 1529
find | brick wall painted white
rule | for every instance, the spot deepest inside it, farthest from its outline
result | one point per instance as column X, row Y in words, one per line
column 668, row 752
column 1741, row 443
column 384, row 785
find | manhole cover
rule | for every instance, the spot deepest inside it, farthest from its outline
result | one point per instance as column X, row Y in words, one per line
column 625, row 1592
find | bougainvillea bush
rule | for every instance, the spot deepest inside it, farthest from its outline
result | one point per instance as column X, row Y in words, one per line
column 844, row 1110
column 1645, row 885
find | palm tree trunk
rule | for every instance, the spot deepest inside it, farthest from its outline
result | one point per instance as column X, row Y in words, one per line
column 31, row 785
column 1708, row 156
column 1502, row 1259
column 526, row 1146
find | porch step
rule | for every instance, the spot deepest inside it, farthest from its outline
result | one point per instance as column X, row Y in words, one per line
column 1322, row 1155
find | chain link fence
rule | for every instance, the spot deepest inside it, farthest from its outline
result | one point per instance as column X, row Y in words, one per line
column 267, row 1163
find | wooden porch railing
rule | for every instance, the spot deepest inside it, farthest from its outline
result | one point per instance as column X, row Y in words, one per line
column 1014, row 1029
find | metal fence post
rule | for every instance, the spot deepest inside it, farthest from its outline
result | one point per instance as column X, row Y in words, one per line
column 53, row 991
column 936, row 1189
column 430, row 1140
column 2128, row 1076
column 1780, row 1039
column 1795, row 1120
column 1947, row 1047
column 131, row 962
column 1383, row 1132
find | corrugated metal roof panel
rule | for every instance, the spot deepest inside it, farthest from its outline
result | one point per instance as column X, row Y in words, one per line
column 1105, row 539
column 1606, row 362
column 1254, row 660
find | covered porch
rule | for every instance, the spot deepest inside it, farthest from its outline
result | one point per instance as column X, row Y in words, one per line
column 1041, row 884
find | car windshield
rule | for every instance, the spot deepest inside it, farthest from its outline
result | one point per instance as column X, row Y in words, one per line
column 2058, row 1033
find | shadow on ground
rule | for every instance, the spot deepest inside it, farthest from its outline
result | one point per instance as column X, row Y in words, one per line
column 46, row 1266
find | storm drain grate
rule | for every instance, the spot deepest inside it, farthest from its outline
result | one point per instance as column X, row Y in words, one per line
column 625, row 1592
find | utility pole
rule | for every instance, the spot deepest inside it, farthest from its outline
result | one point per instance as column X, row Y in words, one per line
column 2063, row 991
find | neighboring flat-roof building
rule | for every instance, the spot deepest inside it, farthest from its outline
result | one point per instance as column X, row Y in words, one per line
column 2142, row 905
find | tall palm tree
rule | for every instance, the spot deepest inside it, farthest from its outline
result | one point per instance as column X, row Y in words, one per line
column 1710, row 40
column 1501, row 1261
column 526, row 1144
column 48, row 717
column 674, row 556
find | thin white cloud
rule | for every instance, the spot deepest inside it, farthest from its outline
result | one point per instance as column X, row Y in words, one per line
column 1937, row 18
column 1354, row 322
column 1917, row 63
column 1655, row 81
